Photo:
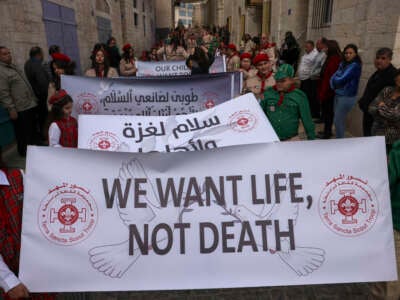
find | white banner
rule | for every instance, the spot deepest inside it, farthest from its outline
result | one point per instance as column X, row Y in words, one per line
column 161, row 68
column 175, row 68
column 219, row 65
column 236, row 122
column 157, row 96
column 241, row 216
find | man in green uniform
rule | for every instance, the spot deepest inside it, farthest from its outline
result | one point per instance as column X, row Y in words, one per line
column 285, row 105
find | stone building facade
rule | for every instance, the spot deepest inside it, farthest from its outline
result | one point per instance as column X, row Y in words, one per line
column 370, row 24
column 75, row 25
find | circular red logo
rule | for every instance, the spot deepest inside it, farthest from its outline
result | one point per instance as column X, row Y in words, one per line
column 348, row 206
column 67, row 215
column 105, row 141
column 209, row 104
column 87, row 103
column 242, row 121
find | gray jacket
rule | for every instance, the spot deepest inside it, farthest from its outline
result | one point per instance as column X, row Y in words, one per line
column 15, row 90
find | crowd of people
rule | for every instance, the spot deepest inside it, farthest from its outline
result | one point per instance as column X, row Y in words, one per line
column 321, row 86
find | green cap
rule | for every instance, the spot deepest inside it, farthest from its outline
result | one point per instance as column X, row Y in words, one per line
column 284, row 71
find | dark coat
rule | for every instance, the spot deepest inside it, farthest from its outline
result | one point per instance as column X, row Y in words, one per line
column 38, row 78
column 376, row 83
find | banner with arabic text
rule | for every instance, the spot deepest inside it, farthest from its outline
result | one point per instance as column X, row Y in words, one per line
column 157, row 96
column 240, row 216
column 239, row 121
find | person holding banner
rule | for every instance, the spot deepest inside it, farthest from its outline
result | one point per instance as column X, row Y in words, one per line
column 285, row 104
column 246, row 67
column 100, row 65
column 233, row 59
column 127, row 65
column 61, row 65
column 63, row 130
column 393, row 287
column 11, row 195
column 173, row 51
column 263, row 78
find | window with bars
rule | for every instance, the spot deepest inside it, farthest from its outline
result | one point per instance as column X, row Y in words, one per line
column 322, row 13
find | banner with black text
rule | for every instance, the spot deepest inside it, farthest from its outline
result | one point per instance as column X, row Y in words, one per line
column 240, row 216
column 150, row 96
column 236, row 122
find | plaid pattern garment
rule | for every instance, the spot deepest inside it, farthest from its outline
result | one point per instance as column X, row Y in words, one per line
column 11, row 218
column 11, row 200
column 69, row 132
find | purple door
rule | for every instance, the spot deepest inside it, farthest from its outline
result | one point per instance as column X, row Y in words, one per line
column 61, row 30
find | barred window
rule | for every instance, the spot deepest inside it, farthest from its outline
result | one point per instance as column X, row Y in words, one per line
column 322, row 13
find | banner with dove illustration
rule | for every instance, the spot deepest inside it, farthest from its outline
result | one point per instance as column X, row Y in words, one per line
column 150, row 96
column 241, row 216
column 236, row 122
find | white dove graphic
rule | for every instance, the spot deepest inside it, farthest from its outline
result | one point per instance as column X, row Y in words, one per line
column 303, row 260
column 113, row 260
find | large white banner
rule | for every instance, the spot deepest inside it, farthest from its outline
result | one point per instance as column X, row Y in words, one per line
column 157, row 96
column 241, row 216
column 161, row 68
column 236, row 122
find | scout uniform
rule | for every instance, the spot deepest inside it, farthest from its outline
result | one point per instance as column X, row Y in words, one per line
column 250, row 72
column 258, row 83
column 233, row 61
column 285, row 109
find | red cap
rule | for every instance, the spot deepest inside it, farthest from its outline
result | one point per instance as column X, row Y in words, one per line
column 259, row 58
column 231, row 46
column 245, row 55
column 57, row 96
column 126, row 47
column 60, row 56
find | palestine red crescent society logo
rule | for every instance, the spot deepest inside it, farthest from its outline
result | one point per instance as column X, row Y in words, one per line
column 67, row 215
column 348, row 206
column 105, row 141
column 87, row 103
column 242, row 121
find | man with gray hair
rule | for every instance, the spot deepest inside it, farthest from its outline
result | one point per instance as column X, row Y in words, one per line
column 384, row 76
column 17, row 96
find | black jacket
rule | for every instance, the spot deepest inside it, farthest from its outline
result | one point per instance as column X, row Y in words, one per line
column 38, row 78
column 376, row 83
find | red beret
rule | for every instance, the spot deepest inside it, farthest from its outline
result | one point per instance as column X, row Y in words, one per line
column 57, row 96
column 259, row 58
column 231, row 46
column 126, row 47
column 60, row 56
column 245, row 55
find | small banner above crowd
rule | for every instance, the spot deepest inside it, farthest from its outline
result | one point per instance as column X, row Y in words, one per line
column 174, row 68
column 241, row 216
column 161, row 96
column 240, row 121
column 161, row 68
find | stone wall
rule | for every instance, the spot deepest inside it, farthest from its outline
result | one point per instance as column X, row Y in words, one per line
column 289, row 16
column 23, row 27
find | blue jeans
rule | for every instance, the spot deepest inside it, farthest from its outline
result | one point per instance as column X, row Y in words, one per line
column 343, row 105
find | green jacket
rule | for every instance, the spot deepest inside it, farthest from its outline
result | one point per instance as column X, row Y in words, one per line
column 394, row 181
column 285, row 118
column 15, row 90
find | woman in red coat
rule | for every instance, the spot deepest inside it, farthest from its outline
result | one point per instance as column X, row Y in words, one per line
column 325, row 94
